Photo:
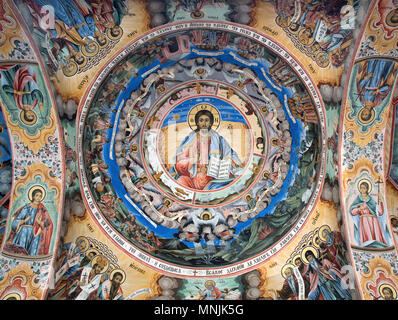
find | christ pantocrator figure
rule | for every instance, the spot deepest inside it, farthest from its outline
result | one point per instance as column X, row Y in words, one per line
column 204, row 159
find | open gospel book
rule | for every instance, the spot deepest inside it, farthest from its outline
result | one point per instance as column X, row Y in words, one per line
column 218, row 168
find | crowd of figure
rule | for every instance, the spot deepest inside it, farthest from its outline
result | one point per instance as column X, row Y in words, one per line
column 86, row 273
column 317, row 264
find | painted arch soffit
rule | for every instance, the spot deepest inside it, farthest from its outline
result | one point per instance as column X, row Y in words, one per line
column 30, row 232
column 365, row 118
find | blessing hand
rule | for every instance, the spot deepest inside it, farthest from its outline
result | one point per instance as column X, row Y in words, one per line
column 40, row 221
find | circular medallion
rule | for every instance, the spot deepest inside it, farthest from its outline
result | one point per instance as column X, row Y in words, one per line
column 366, row 115
column 287, row 270
column 118, row 273
column 388, row 292
column 197, row 156
column 28, row 117
column 90, row 49
column 37, row 189
column 308, row 252
column 12, row 296
column 392, row 18
column 366, row 185
column 202, row 163
column 114, row 33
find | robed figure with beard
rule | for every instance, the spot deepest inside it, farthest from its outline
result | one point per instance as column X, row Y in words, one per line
column 196, row 153
column 111, row 289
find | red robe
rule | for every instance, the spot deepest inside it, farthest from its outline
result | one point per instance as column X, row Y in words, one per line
column 22, row 77
column 47, row 231
column 185, row 161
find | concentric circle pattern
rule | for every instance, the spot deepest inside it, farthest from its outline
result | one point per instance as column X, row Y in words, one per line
column 202, row 153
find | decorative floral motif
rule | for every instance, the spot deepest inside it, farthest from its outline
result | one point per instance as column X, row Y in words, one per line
column 46, row 155
column 361, row 260
column 372, row 151
column 41, row 269
column 366, row 50
column 6, row 265
column 21, row 51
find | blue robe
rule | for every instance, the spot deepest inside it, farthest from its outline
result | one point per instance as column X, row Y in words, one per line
column 68, row 12
column 24, row 236
column 330, row 289
column 375, row 70
column 74, row 268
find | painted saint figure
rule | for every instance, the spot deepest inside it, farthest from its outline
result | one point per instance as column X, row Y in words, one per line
column 72, row 282
column 20, row 84
column 90, row 280
column 111, row 289
column 375, row 79
column 202, row 151
column 387, row 292
column 325, row 281
column 331, row 246
column 394, row 225
column 290, row 287
column 71, row 257
column 211, row 292
column 31, row 227
column 72, row 22
column 368, row 219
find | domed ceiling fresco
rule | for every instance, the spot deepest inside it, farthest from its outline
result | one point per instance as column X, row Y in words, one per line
column 198, row 150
